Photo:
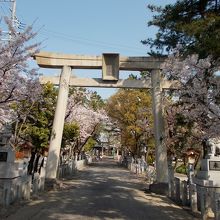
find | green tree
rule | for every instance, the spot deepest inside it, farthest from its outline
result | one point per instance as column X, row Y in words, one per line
column 91, row 142
column 96, row 102
column 34, row 119
column 34, row 123
column 70, row 134
column 195, row 24
column 69, row 141
column 132, row 110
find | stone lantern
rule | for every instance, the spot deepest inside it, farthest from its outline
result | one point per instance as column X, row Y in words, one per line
column 6, row 153
column 207, row 180
column 5, row 135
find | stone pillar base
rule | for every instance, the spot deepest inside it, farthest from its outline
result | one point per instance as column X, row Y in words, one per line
column 159, row 188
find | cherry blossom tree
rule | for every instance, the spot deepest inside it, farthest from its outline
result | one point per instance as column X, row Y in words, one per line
column 196, row 100
column 87, row 119
column 17, row 80
column 81, row 111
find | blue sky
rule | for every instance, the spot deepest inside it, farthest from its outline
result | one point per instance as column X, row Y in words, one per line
column 89, row 27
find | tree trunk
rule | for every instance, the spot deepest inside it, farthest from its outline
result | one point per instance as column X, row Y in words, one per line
column 31, row 163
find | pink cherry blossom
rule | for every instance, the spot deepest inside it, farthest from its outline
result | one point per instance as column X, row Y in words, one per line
column 198, row 95
column 17, row 80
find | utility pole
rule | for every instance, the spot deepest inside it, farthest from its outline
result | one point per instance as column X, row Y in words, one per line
column 13, row 13
column 12, row 16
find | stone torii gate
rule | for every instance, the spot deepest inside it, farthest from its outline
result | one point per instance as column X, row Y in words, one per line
column 110, row 63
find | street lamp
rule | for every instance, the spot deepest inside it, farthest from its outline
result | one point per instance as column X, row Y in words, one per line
column 191, row 159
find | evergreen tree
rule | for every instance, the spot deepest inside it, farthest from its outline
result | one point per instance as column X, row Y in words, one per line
column 34, row 119
column 195, row 24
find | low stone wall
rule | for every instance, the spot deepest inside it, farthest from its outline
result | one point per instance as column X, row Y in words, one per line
column 80, row 164
column 38, row 182
column 14, row 189
column 21, row 187
column 201, row 199
column 140, row 167
column 71, row 167
column 16, row 185
column 179, row 191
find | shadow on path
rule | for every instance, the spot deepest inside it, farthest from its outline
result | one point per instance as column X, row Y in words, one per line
column 101, row 191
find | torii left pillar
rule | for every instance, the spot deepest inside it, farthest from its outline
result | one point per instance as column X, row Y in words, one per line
column 58, row 124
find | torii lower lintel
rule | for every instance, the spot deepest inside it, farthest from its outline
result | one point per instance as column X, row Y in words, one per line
column 121, row 83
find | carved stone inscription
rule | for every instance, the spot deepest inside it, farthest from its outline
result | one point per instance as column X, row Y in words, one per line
column 3, row 156
column 214, row 165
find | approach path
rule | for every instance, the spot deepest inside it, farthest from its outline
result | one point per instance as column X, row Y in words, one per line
column 102, row 191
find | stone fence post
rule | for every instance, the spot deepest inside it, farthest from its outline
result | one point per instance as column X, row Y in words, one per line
column 177, row 190
column 184, row 192
column 193, row 197
column 217, row 206
column 205, row 203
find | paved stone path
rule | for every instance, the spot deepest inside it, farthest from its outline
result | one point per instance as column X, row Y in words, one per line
column 100, row 192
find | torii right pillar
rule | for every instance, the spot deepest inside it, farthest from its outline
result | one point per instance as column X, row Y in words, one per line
column 160, row 151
